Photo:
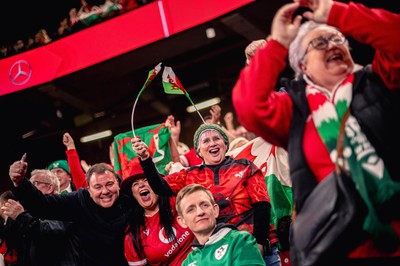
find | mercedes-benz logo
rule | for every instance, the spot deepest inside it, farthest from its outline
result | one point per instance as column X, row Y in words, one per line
column 20, row 72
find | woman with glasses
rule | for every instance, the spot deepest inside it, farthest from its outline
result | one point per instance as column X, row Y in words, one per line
column 306, row 120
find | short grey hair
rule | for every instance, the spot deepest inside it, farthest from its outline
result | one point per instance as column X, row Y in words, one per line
column 50, row 176
column 296, row 51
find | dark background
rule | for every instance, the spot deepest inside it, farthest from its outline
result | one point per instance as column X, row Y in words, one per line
column 21, row 18
column 101, row 97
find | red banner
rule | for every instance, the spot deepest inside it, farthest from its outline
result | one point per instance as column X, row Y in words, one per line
column 109, row 39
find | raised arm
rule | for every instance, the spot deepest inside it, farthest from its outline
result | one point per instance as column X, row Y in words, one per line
column 259, row 108
column 77, row 173
column 40, row 205
column 157, row 183
column 17, row 172
column 173, row 141
column 228, row 119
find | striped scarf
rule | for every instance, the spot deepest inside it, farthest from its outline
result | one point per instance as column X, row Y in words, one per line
column 367, row 169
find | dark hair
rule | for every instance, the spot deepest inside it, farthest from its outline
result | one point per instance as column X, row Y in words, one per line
column 6, row 195
column 100, row 168
column 166, row 219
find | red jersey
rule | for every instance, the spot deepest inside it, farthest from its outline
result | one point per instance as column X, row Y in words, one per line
column 236, row 184
column 160, row 250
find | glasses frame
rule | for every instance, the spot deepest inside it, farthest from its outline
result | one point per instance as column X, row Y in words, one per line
column 37, row 183
column 326, row 40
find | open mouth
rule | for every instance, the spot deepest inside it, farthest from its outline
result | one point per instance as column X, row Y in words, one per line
column 337, row 56
column 214, row 151
column 145, row 194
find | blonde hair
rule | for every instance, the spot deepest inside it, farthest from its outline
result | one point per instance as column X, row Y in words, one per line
column 190, row 189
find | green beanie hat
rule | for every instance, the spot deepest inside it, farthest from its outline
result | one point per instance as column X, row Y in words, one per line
column 205, row 127
column 63, row 164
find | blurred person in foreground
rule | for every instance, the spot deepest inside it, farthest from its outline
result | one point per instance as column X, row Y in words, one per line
column 306, row 120
column 215, row 244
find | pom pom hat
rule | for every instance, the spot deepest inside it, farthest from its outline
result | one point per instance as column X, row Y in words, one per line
column 205, row 127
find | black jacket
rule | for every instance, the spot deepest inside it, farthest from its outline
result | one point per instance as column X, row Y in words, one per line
column 41, row 242
column 100, row 231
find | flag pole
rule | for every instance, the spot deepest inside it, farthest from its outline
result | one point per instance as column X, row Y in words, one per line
column 195, row 107
column 152, row 74
column 172, row 85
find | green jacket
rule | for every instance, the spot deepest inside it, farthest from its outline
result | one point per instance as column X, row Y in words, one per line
column 226, row 246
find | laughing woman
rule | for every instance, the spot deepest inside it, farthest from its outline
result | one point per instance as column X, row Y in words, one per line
column 155, row 237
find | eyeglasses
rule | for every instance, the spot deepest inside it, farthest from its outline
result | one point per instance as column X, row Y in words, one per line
column 37, row 183
column 321, row 42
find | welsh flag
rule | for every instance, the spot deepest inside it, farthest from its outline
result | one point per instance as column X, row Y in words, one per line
column 152, row 74
column 273, row 162
column 171, row 83
column 155, row 136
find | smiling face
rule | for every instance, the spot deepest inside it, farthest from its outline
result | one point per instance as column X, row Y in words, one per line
column 145, row 196
column 326, row 67
column 212, row 147
column 104, row 188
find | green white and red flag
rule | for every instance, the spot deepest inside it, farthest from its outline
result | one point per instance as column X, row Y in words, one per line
column 152, row 74
column 172, row 85
column 273, row 163
column 156, row 138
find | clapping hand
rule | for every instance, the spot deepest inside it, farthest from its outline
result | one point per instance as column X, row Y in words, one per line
column 12, row 209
